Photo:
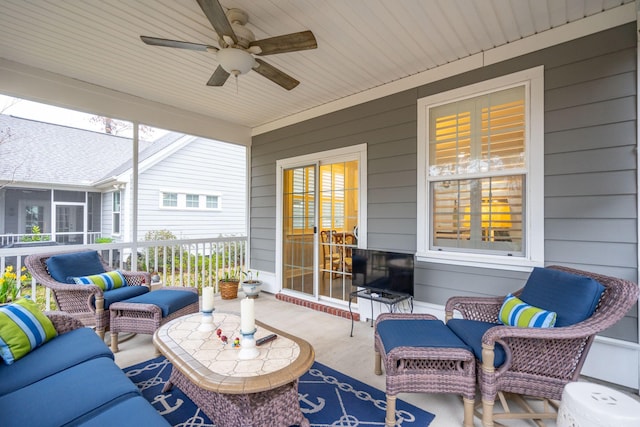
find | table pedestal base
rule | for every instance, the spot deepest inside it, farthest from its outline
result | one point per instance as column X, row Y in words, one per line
column 277, row 407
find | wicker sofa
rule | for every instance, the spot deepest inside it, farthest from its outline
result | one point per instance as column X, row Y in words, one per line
column 71, row 380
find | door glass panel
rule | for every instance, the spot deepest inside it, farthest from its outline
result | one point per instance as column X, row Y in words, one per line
column 69, row 224
column 338, row 218
column 298, row 228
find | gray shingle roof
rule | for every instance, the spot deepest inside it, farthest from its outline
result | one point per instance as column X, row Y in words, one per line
column 33, row 151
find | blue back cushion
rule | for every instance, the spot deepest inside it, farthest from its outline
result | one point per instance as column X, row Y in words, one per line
column 471, row 332
column 65, row 266
column 169, row 301
column 574, row 298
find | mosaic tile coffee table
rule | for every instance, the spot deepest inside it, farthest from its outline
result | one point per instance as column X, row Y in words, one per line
column 258, row 392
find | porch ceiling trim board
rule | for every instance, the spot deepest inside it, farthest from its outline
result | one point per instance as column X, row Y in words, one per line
column 35, row 84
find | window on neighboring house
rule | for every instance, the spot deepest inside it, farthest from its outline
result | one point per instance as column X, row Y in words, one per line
column 193, row 200
column 212, row 202
column 170, row 200
column 481, row 158
column 34, row 217
column 116, row 210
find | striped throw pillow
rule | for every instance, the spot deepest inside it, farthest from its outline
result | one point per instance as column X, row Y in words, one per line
column 515, row 312
column 23, row 327
column 105, row 281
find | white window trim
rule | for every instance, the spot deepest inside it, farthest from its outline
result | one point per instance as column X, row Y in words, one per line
column 331, row 156
column 182, row 201
column 534, row 133
column 113, row 212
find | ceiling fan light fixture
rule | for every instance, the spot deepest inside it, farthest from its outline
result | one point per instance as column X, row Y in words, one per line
column 235, row 61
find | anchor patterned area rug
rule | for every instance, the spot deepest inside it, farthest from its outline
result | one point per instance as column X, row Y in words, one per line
column 327, row 398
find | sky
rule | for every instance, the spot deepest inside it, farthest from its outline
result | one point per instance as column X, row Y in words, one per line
column 50, row 114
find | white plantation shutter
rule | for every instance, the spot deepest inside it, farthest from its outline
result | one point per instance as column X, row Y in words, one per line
column 477, row 173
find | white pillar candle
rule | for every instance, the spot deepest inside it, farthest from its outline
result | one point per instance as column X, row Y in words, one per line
column 247, row 316
column 207, row 298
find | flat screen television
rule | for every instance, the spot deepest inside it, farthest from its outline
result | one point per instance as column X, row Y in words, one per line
column 382, row 271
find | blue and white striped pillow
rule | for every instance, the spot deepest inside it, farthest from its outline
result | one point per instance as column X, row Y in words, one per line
column 515, row 312
column 23, row 327
column 105, row 281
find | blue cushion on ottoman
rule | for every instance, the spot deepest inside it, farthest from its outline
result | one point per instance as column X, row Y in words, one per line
column 133, row 412
column 417, row 333
column 574, row 298
column 124, row 293
column 471, row 332
column 70, row 394
column 168, row 300
column 77, row 346
column 64, row 266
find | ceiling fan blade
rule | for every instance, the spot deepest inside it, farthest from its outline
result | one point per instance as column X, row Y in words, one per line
column 219, row 77
column 154, row 41
column 287, row 43
column 275, row 75
column 215, row 14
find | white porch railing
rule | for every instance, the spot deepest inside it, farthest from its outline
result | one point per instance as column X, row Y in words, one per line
column 26, row 238
column 185, row 262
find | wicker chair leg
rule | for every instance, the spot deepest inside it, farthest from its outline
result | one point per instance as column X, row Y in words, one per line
column 390, row 420
column 468, row 411
column 487, row 413
column 114, row 342
column 378, row 363
column 100, row 333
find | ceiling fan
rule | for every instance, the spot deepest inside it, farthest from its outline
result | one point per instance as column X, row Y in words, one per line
column 237, row 45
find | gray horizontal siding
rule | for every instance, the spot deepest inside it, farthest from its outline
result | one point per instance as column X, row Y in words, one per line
column 590, row 167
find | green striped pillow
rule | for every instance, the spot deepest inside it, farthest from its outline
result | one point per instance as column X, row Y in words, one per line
column 105, row 281
column 515, row 312
column 23, row 327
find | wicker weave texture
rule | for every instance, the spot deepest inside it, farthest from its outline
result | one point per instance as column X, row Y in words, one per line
column 83, row 302
column 274, row 408
column 145, row 318
column 426, row 369
column 63, row 322
column 541, row 361
column 229, row 289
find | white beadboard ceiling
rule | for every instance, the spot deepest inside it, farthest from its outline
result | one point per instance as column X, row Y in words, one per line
column 362, row 44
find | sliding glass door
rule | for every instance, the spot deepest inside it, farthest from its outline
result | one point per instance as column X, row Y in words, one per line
column 320, row 212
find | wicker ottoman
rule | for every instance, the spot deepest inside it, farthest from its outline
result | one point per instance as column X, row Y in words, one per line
column 421, row 355
column 144, row 314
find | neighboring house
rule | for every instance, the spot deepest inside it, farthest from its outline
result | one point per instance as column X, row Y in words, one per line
column 579, row 169
column 76, row 184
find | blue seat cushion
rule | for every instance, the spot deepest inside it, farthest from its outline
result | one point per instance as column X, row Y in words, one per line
column 471, row 332
column 60, row 353
column 574, row 298
column 132, row 412
column 124, row 293
column 417, row 333
column 169, row 301
column 70, row 394
column 65, row 266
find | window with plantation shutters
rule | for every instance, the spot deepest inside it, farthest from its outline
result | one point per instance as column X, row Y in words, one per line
column 477, row 167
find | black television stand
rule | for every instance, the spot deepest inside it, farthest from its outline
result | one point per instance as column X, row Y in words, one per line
column 389, row 298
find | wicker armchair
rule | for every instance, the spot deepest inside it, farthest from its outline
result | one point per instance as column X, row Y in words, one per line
column 539, row 362
column 84, row 302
